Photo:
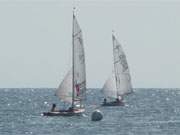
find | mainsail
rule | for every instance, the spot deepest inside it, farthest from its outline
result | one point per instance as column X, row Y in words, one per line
column 73, row 87
column 119, row 83
column 122, row 74
column 79, row 69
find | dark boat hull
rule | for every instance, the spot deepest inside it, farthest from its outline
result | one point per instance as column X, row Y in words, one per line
column 64, row 113
column 113, row 104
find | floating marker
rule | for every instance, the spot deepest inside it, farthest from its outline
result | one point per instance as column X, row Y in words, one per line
column 96, row 115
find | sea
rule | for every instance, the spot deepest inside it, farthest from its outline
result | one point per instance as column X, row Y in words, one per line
column 147, row 112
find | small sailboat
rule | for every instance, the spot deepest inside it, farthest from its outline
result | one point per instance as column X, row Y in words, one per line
column 119, row 83
column 72, row 89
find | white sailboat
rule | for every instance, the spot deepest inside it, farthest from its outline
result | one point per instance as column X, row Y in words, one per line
column 119, row 83
column 73, row 88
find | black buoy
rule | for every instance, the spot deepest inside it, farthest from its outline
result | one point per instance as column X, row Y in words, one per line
column 96, row 115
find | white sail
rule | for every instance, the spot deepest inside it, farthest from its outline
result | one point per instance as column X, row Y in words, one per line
column 79, row 62
column 109, row 88
column 77, row 75
column 64, row 92
column 122, row 74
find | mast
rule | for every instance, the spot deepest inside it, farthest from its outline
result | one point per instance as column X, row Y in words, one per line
column 73, row 59
column 113, row 37
column 73, row 86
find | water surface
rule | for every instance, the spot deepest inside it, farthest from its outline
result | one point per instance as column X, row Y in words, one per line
column 147, row 112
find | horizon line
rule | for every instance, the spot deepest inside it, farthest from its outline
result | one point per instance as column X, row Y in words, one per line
column 86, row 88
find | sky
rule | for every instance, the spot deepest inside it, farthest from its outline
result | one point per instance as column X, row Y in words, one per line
column 36, row 41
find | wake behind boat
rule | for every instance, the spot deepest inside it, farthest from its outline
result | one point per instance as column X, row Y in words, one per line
column 72, row 89
column 119, row 83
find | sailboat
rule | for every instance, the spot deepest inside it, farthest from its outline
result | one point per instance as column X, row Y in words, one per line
column 72, row 89
column 119, row 83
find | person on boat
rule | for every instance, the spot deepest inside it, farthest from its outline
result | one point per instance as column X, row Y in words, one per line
column 70, row 109
column 77, row 89
column 53, row 108
column 105, row 100
column 118, row 99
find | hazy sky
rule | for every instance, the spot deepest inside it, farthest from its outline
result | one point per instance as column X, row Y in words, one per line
column 35, row 41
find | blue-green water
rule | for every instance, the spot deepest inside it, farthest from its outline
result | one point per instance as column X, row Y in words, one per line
column 147, row 112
